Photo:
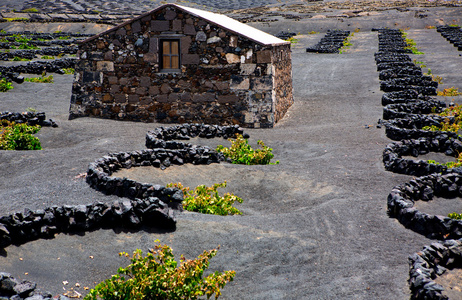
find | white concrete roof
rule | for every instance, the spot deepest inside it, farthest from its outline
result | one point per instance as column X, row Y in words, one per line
column 235, row 26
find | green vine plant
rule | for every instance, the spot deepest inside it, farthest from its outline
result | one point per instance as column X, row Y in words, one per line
column 68, row 71
column 449, row 92
column 5, row 85
column 448, row 125
column 206, row 200
column 241, row 152
column 41, row 79
column 411, row 44
column 455, row 216
column 451, row 164
column 157, row 276
column 15, row 136
column 347, row 43
column 24, row 42
column 17, row 58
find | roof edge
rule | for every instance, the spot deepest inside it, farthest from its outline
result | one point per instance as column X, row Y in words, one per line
column 184, row 9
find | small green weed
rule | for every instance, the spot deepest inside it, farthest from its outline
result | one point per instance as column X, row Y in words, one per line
column 30, row 10
column 455, row 216
column 438, row 79
column 41, row 79
column 449, row 92
column 47, row 57
column 64, row 37
column 453, row 111
column 411, row 44
column 313, row 32
column 293, row 40
column 240, row 152
column 17, row 58
column 5, row 85
column 157, row 276
column 16, row 19
column 207, row 201
column 451, row 164
column 419, row 63
column 69, row 71
column 18, row 136
column 24, row 42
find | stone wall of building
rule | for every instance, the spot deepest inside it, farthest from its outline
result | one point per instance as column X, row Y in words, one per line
column 282, row 80
column 225, row 78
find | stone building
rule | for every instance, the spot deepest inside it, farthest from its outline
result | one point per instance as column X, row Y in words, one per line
column 177, row 64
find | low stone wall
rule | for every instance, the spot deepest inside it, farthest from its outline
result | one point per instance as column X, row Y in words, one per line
column 20, row 228
column 31, row 118
column 331, row 42
column 12, row 73
column 11, row 288
column 430, row 262
column 393, row 161
column 402, row 198
column 165, row 153
column 453, row 34
column 147, row 205
column 406, row 96
column 402, row 110
column 406, row 103
column 161, row 136
column 411, row 127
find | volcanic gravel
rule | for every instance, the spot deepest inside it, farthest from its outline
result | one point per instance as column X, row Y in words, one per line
column 313, row 227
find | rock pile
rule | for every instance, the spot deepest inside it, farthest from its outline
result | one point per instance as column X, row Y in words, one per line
column 11, row 288
column 31, row 118
column 285, row 35
column 12, row 73
column 453, row 34
column 433, row 261
column 331, row 42
column 394, row 152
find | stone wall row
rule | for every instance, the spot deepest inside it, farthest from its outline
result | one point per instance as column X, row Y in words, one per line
column 430, row 262
column 407, row 104
column 402, row 198
column 31, row 118
column 394, row 161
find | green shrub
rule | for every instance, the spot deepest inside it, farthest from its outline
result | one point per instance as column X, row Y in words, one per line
column 449, row 92
column 455, row 216
column 447, row 125
column 18, row 136
column 41, row 79
column 451, row 164
column 17, row 58
column 30, row 10
column 411, row 45
column 207, row 201
column 69, row 71
column 5, row 85
column 157, row 276
column 47, row 57
column 240, row 152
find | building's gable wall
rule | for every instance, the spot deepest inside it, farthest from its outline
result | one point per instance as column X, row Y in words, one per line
column 282, row 81
column 225, row 78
